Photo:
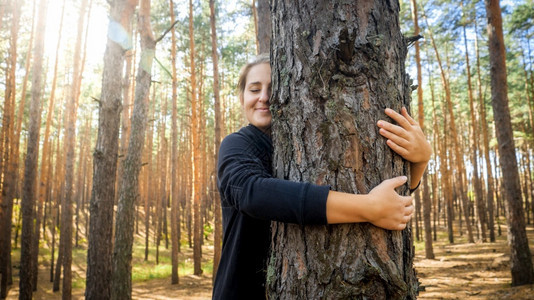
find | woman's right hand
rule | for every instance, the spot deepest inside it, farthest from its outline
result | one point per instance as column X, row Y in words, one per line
column 387, row 209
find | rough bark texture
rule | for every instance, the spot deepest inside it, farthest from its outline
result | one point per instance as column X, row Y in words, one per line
column 121, row 284
column 336, row 66
column 520, row 257
column 105, row 155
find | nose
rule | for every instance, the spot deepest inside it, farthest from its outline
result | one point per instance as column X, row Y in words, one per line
column 264, row 96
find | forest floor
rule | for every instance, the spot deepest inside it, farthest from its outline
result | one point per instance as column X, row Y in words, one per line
column 459, row 271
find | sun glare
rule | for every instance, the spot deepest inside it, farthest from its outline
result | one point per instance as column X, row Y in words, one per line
column 96, row 37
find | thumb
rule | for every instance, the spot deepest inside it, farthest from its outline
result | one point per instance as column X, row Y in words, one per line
column 398, row 181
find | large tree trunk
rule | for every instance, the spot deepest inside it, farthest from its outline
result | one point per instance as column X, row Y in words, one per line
column 217, row 236
column 336, row 66
column 32, row 155
column 121, row 287
column 520, row 257
column 105, row 157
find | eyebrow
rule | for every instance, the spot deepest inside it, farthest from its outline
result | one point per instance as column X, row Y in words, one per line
column 256, row 82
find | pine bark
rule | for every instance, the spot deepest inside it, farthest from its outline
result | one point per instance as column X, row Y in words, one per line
column 99, row 253
column 121, row 284
column 32, row 154
column 520, row 256
column 335, row 67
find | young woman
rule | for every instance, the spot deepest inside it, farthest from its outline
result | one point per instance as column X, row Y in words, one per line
column 251, row 198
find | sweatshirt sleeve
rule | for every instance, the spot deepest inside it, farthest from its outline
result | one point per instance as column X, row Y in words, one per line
column 247, row 186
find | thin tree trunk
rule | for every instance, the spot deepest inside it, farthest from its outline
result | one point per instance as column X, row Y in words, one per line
column 328, row 98
column 70, row 139
column 485, row 141
column 8, row 165
column 264, row 26
column 217, row 239
column 456, row 145
column 32, row 155
column 197, row 270
column 175, row 198
column 520, row 257
column 99, row 253
column 481, row 207
column 427, row 205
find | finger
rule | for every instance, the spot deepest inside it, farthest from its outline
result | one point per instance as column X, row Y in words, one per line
column 395, row 138
column 404, row 112
column 397, row 181
column 398, row 149
column 400, row 119
column 398, row 130
column 409, row 210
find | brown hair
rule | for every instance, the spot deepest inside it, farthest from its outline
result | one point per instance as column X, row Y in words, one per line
column 259, row 59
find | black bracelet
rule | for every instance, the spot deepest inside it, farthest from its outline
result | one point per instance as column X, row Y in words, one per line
column 415, row 188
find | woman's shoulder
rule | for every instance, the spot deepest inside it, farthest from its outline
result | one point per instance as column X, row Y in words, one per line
column 246, row 139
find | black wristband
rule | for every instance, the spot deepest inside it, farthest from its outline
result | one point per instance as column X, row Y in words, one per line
column 415, row 188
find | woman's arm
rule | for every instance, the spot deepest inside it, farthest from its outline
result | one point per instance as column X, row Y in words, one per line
column 408, row 140
column 383, row 206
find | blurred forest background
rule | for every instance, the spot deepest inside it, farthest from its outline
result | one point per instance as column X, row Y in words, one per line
column 178, row 72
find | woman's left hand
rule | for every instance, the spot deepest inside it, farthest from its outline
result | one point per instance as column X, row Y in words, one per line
column 406, row 139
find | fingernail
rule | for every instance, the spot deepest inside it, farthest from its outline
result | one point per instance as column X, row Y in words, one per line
column 379, row 123
column 404, row 178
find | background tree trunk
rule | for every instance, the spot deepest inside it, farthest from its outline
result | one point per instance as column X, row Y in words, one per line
column 8, row 163
column 263, row 33
column 121, row 284
column 197, row 250
column 429, row 251
column 217, row 235
column 336, row 66
column 175, row 206
column 520, row 257
column 32, row 156
column 105, row 158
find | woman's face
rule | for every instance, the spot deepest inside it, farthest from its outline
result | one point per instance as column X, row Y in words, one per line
column 256, row 96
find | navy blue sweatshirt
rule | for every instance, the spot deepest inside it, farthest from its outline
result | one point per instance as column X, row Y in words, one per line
column 251, row 198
